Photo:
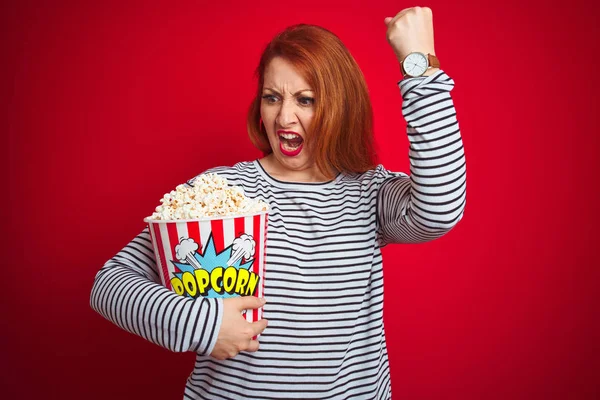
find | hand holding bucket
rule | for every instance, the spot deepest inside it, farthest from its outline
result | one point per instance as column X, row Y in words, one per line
column 237, row 334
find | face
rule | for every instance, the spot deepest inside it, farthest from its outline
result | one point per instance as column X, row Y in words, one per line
column 287, row 110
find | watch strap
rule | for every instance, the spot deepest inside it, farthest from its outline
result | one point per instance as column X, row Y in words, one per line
column 433, row 61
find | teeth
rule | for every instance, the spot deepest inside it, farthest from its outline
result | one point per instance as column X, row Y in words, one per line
column 289, row 135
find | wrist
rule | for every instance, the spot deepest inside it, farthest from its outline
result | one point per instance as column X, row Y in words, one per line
column 430, row 71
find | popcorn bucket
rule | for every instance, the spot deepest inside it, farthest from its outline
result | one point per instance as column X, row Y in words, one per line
column 213, row 256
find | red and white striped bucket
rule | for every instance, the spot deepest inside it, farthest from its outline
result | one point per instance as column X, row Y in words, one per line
column 212, row 257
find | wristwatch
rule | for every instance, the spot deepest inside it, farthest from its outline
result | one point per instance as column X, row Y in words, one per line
column 416, row 64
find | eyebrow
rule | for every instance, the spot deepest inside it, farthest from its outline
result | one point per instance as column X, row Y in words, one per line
column 295, row 94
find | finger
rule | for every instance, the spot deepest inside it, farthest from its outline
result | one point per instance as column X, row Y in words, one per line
column 250, row 303
column 389, row 21
column 259, row 326
column 400, row 14
column 253, row 346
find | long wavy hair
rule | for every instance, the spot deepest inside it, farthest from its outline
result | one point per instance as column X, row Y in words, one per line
column 341, row 132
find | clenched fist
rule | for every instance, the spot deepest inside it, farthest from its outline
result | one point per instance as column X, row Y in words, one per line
column 411, row 30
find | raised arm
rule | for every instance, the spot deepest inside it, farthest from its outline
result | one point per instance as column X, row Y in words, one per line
column 127, row 292
column 431, row 201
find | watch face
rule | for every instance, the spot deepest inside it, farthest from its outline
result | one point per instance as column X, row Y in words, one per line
column 415, row 64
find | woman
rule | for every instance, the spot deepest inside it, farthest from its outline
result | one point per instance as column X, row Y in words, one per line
column 332, row 209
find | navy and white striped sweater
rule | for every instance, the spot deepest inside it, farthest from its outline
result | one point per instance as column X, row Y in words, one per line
column 324, row 281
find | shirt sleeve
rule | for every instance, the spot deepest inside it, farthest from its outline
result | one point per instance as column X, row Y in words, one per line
column 427, row 204
column 127, row 291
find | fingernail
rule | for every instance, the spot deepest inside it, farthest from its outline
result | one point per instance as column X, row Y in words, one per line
column 263, row 301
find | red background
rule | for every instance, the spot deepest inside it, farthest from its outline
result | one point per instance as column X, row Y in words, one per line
column 109, row 106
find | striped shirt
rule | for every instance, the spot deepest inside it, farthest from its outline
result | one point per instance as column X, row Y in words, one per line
column 324, row 272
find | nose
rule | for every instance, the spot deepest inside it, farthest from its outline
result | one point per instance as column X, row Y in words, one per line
column 287, row 115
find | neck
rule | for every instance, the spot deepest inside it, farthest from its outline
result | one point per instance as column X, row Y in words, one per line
column 310, row 174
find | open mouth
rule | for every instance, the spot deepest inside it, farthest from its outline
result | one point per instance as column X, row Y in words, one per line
column 290, row 143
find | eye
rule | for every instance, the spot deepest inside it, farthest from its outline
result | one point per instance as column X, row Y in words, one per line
column 306, row 101
column 269, row 97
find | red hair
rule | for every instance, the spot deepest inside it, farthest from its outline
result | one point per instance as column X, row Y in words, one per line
column 341, row 132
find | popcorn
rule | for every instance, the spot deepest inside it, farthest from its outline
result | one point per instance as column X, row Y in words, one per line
column 209, row 196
